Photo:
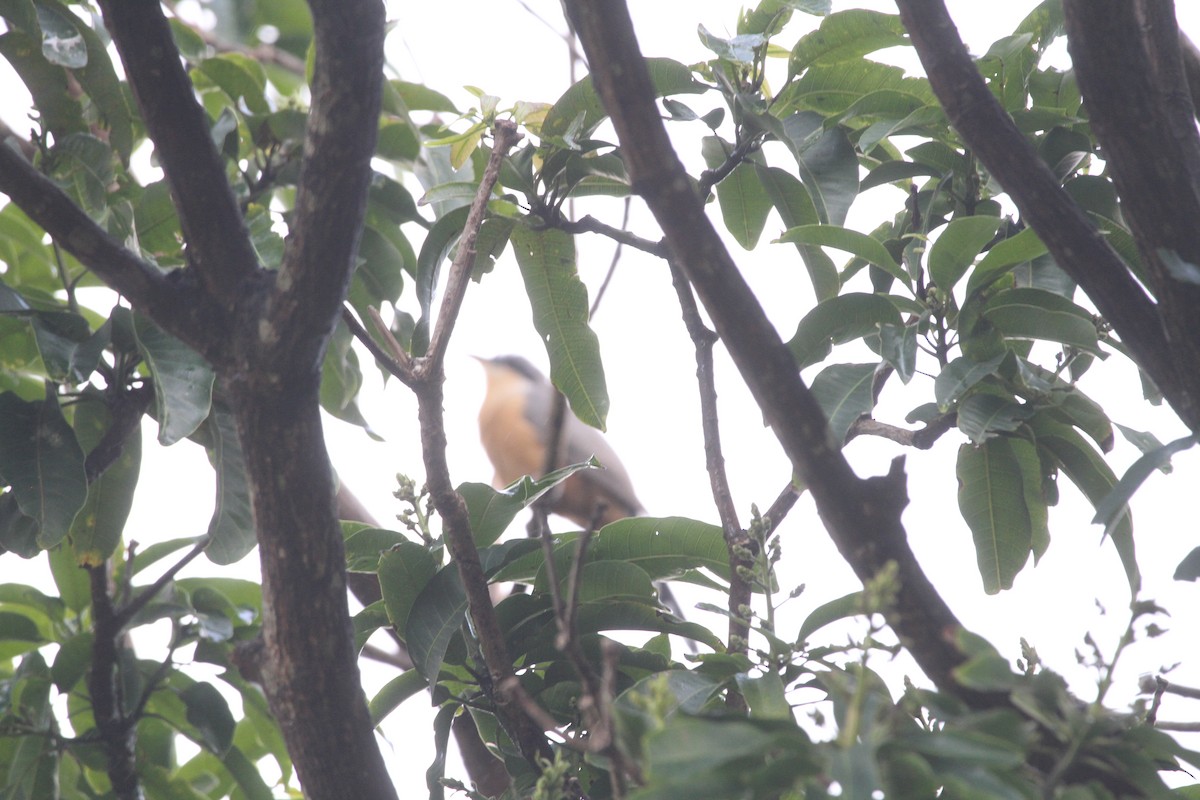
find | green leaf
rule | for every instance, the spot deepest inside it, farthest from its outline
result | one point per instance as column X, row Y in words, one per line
column 601, row 581
column 992, row 498
column 58, row 335
column 740, row 49
column 957, row 246
column 393, row 693
column 60, row 112
column 1037, row 314
column 850, row 605
column 404, row 572
column 72, row 662
column 62, row 44
column 419, row 97
column 858, row 244
column 960, row 375
column 744, row 204
column 827, row 162
column 366, row 545
column 838, row 320
column 434, row 249
column 1002, row 258
column 846, row 36
column 492, row 510
column 898, row 347
column 795, row 207
column 844, row 394
column 560, row 316
column 438, row 612
column 72, row 582
column 581, row 101
column 98, row 527
column 42, row 461
column 209, row 713
column 663, row 546
column 983, row 415
column 765, row 696
column 1113, row 505
column 1091, row 474
column 183, row 381
column 231, row 530
column 240, row 77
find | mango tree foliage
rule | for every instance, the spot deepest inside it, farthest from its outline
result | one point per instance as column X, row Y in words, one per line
column 951, row 302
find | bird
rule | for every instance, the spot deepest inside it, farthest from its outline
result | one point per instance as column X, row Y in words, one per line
column 514, row 426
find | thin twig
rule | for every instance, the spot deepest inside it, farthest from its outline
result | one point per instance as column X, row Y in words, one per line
column 505, row 137
column 589, row 224
column 737, row 541
column 127, row 613
column 782, row 505
column 612, row 266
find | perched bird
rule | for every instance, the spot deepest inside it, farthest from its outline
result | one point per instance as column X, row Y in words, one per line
column 514, row 425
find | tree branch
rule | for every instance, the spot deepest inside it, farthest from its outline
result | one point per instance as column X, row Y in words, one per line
column 331, row 193
column 1127, row 61
column 737, row 541
column 1076, row 245
column 217, row 238
column 863, row 517
column 168, row 299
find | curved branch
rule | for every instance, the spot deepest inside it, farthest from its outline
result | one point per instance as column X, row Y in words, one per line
column 216, row 234
column 862, row 517
column 1076, row 245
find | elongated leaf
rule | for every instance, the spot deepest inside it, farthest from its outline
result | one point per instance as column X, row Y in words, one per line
column 844, row 393
column 395, row 692
column 743, row 201
column 612, row 580
column 100, row 523
column 434, row 249
column 898, row 347
column 1087, row 469
column 404, row 571
column 437, row 613
column 183, row 381
column 663, row 546
column 859, row 244
column 795, row 207
column 581, row 102
column 492, row 511
column 982, row 416
column 837, row 320
column 42, row 461
column 991, row 496
column 1023, row 247
column 366, row 545
column 957, row 246
column 1109, row 509
column 231, row 530
column 1037, row 314
column 209, row 713
column 846, row 36
column 560, row 316
column 960, row 375
column 827, row 162
column 850, row 605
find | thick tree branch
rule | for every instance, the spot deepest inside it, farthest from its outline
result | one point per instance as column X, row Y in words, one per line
column 863, row 517
column 118, row 734
column 309, row 664
column 216, row 234
column 1127, row 61
column 1074, row 242
column 331, row 194
column 168, row 299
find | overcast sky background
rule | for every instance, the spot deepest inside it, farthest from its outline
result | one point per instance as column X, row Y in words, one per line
column 505, row 50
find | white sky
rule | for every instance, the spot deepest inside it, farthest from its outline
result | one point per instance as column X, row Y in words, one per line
column 654, row 419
